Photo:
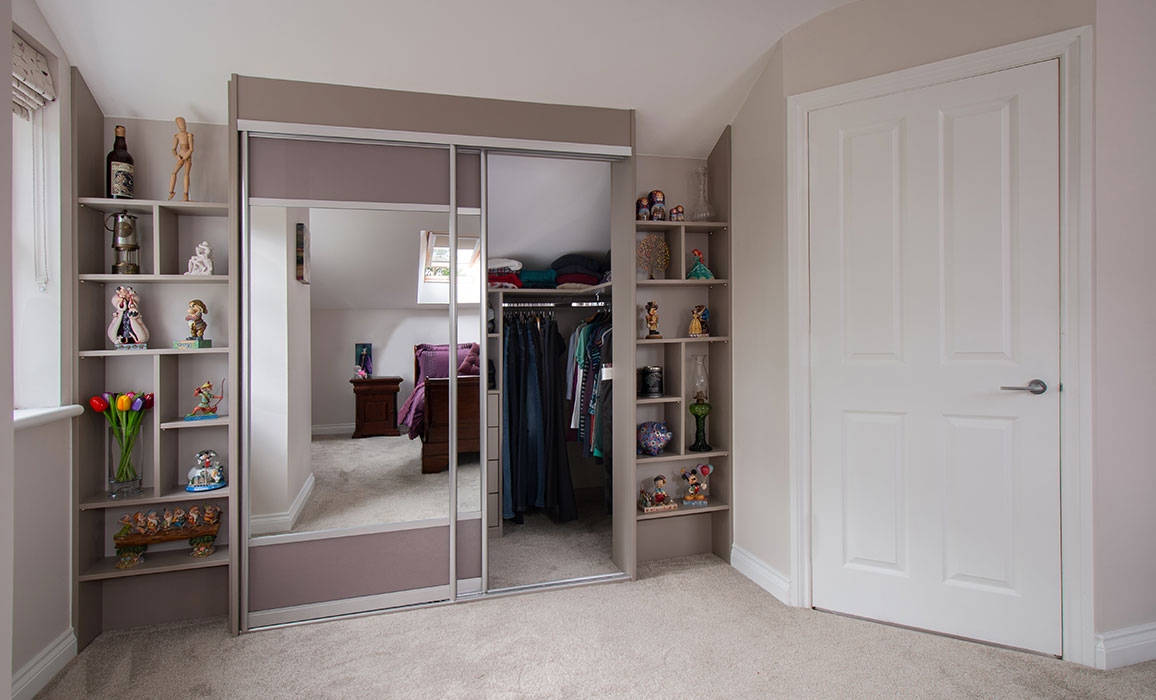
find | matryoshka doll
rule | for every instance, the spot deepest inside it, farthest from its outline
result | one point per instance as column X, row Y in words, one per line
column 642, row 209
column 657, row 205
column 677, row 213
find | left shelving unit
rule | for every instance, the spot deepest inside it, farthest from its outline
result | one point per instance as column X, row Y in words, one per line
column 170, row 584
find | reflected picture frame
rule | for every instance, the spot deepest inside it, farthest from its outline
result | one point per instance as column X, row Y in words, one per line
column 302, row 254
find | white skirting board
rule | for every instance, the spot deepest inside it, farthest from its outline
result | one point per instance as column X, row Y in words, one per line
column 282, row 522
column 761, row 573
column 334, row 429
column 1125, row 647
column 29, row 680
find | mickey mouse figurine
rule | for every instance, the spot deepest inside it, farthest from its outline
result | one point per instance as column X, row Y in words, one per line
column 695, row 489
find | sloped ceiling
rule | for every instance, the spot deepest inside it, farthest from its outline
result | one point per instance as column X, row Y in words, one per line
column 685, row 65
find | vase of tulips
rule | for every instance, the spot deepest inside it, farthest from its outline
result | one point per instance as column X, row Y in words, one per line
column 124, row 413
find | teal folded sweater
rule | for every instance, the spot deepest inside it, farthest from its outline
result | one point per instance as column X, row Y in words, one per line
column 537, row 276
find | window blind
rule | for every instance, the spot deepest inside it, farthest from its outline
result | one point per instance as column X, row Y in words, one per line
column 31, row 83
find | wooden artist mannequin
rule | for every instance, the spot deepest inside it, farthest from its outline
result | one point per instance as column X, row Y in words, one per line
column 183, row 152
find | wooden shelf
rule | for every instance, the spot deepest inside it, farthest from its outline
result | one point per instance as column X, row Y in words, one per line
column 145, row 206
column 682, row 283
column 667, row 341
column 690, row 226
column 180, row 423
column 494, row 336
column 177, row 493
column 596, row 289
column 642, row 401
column 676, row 456
column 153, row 351
column 156, row 563
column 684, row 510
column 163, row 279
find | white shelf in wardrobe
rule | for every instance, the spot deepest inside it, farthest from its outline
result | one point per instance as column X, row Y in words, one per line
column 690, row 226
column 145, row 206
column 643, row 401
column 163, row 279
column 682, row 283
column 684, row 510
column 180, row 423
column 675, row 456
column 177, row 494
column 156, row 563
column 668, row 341
column 153, row 351
column 596, row 289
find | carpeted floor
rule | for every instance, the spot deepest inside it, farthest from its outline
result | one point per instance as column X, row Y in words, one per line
column 376, row 480
column 541, row 550
column 691, row 627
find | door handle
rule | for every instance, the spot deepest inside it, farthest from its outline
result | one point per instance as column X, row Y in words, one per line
column 1036, row 386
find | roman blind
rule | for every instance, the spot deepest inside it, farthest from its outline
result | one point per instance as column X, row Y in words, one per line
column 31, row 83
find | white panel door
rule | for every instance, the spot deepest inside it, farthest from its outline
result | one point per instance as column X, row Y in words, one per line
column 934, row 234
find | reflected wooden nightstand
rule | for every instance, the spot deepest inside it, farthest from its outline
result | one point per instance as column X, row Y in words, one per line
column 376, row 406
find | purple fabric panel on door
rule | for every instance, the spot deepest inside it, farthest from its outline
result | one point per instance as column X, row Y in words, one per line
column 336, row 568
column 348, row 172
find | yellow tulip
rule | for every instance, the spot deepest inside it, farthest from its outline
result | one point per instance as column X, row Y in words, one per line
column 123, row 402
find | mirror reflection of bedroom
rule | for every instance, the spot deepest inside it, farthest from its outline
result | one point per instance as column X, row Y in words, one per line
column 548, row 223
column 368, row 373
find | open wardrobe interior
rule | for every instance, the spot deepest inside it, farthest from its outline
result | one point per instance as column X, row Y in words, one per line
column 549, row 333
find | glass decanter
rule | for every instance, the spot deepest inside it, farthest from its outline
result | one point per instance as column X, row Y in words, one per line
column 702, row 210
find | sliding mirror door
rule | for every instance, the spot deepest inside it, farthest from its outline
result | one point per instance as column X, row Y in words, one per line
column 348, row 361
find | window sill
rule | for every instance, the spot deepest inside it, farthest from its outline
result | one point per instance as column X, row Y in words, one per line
column 24, row 418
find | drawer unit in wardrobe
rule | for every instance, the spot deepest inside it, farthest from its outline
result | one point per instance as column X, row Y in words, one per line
column 493, row 447
column 492, row 476
column 492, row 410
column 493, row 510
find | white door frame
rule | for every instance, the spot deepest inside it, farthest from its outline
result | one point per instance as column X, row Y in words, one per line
column 1073, row 48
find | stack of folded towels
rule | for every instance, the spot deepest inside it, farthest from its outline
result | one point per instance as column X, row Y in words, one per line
column 503, row 273
column 577, row 271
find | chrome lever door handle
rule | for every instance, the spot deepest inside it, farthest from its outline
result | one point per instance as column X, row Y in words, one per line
column 1036, row 386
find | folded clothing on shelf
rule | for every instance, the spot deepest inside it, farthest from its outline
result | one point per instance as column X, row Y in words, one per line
column 498, row 263
column 578, row 277
column 588, row 264
column 574, row 285
column 538, row 279
column 511, row 280
column 501, row 271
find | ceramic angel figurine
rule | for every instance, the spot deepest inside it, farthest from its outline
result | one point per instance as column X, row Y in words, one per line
column 127, row 329
column 202, row 261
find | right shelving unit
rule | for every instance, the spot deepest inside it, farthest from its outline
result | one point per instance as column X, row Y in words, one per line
column 690, row 529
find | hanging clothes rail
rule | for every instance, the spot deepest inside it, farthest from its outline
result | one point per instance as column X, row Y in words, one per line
column 552, row 304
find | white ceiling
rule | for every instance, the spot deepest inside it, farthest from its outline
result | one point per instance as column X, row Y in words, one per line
column 685, row 65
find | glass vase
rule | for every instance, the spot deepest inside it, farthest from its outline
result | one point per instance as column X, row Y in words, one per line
column 702, row 210
column 124, row 469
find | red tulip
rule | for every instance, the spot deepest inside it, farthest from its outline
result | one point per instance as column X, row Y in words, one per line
column 98, row 404
column 148, row 401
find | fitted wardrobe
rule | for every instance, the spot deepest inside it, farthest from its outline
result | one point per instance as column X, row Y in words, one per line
column 421, row 176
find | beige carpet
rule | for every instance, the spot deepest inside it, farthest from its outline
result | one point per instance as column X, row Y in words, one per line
column 541, row 550
column 688, row 628
column 376, row 480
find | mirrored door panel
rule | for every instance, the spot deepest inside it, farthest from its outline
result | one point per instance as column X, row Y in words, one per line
column 348, row 359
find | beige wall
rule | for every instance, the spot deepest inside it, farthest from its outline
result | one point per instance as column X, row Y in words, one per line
column 1125, row 376
column 865, row 38
column 43, row 533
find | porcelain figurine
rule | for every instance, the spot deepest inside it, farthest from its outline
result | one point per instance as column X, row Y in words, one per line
column 696, row 487
column 699, row 320
column 127, row 329
column 660, row 489
column 657, row 205
column 202, row 261
column 655, row 500
column 652, row 438
column 205, row 408
column 183, row 152
column 699, row 270
column 677, row 213
column 652, row 321
column 195, row 317
column 207, row 473
column 642, row 208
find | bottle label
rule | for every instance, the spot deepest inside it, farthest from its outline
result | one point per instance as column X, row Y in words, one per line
column 120, row 176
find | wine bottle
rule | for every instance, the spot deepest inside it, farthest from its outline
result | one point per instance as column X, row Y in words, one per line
column 119, row 171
